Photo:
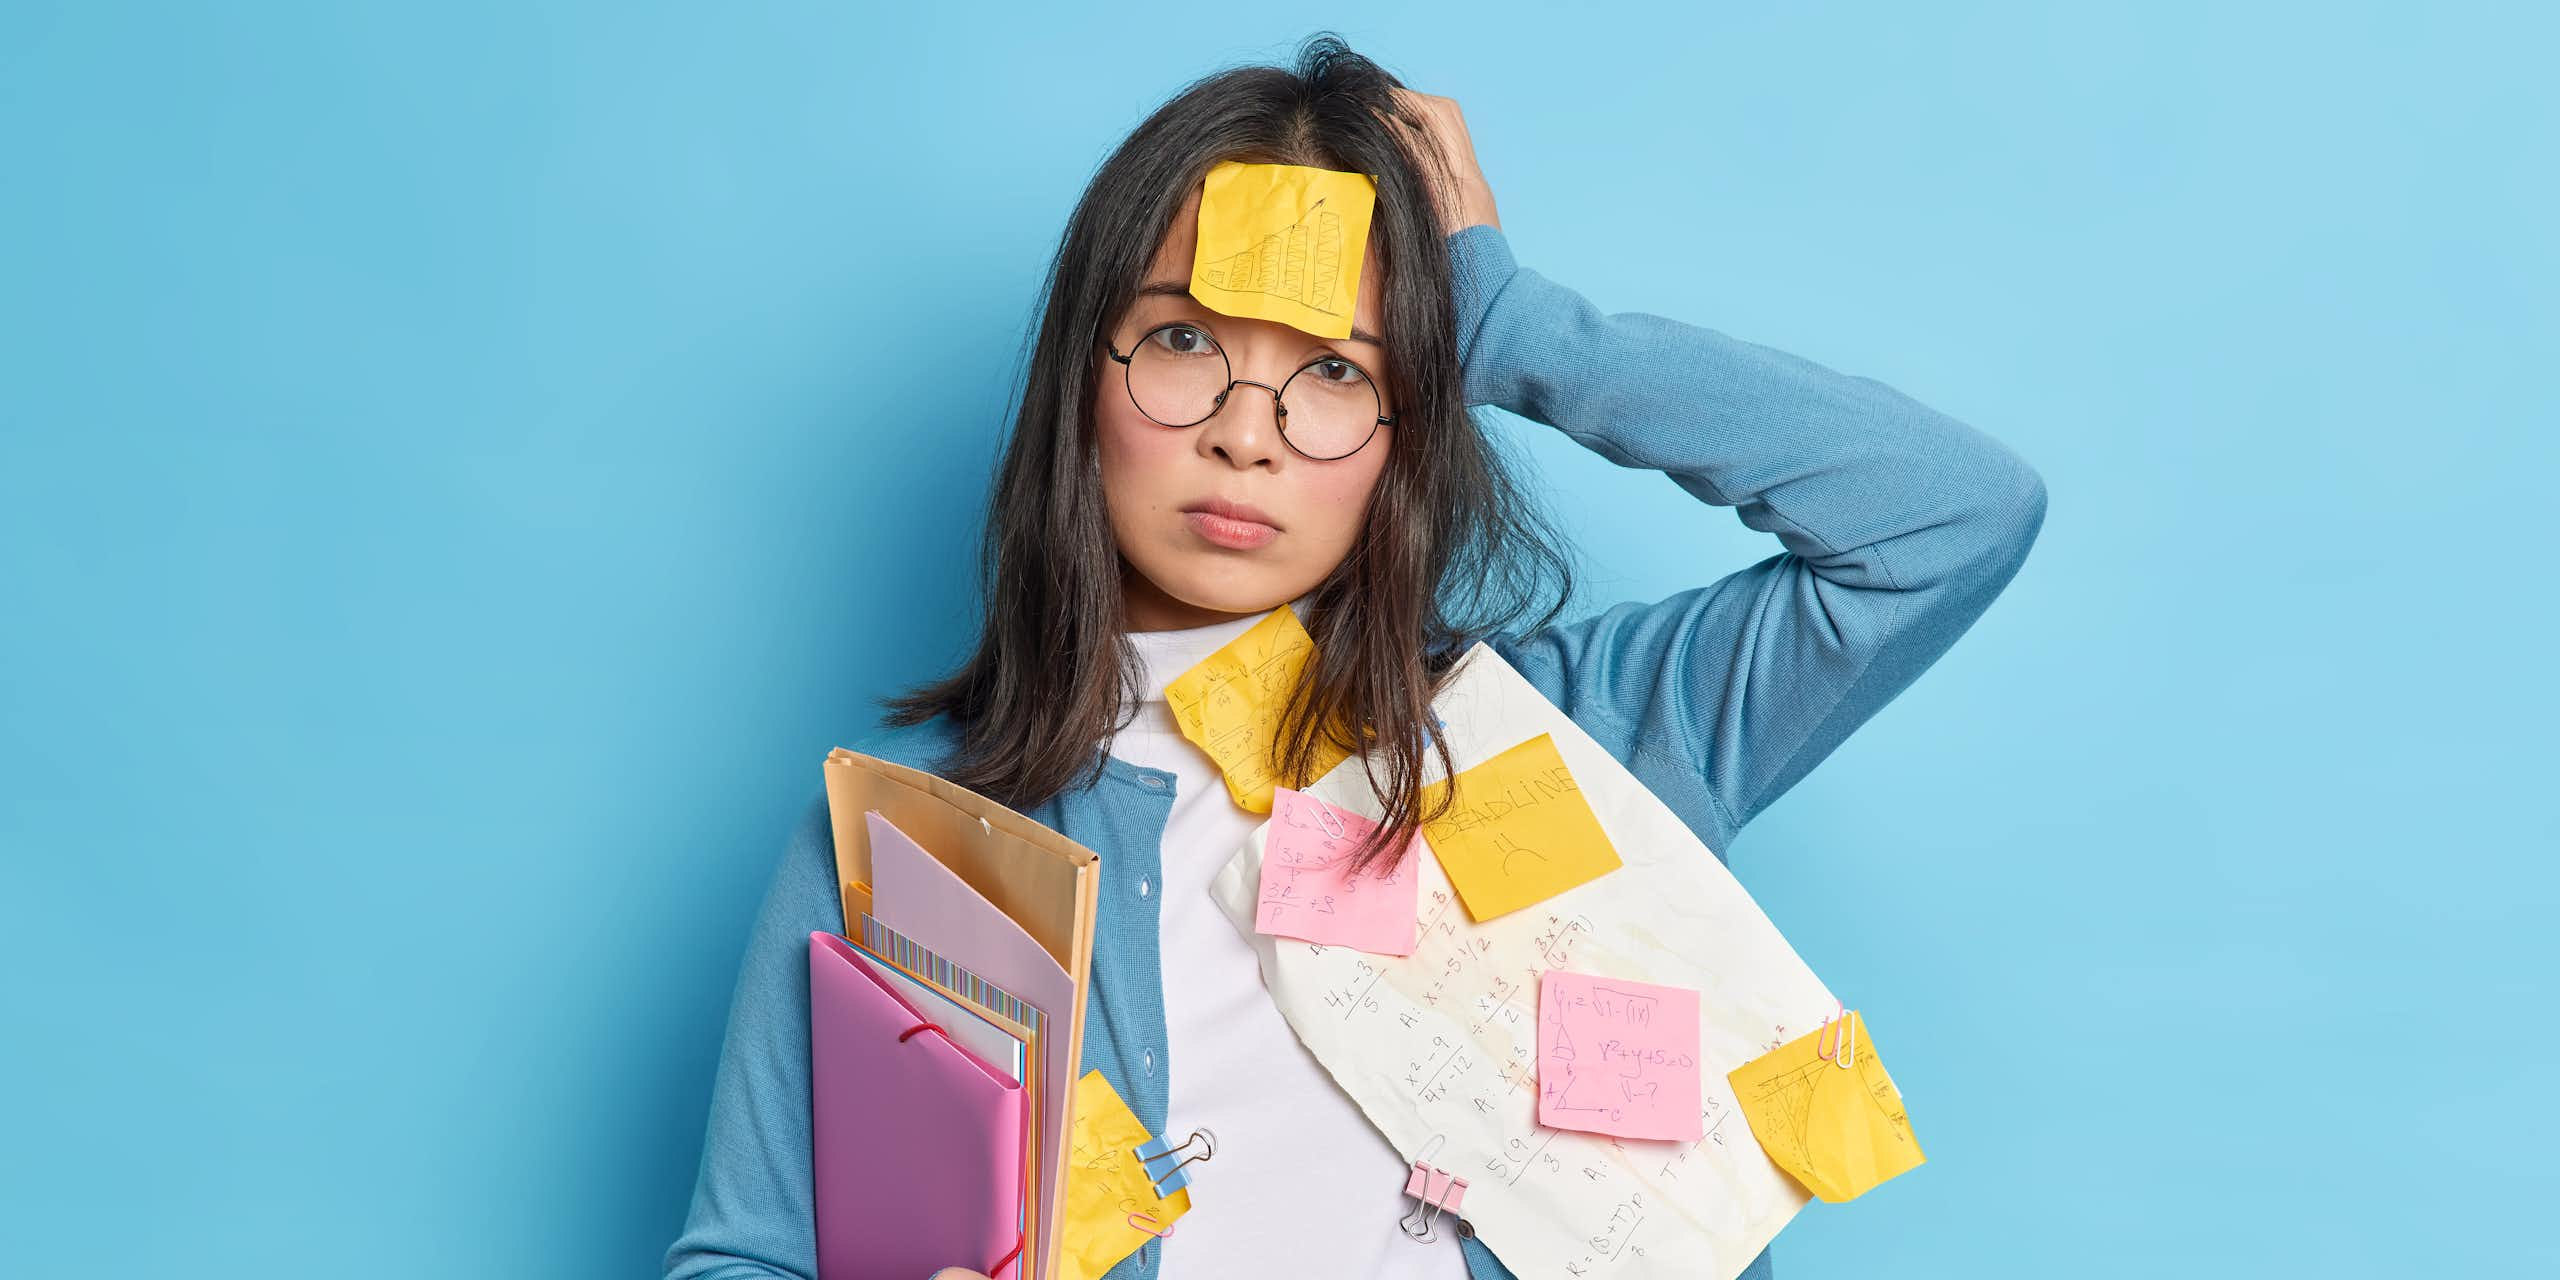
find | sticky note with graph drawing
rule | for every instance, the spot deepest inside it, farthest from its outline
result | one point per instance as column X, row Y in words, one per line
column 1826, row 1112
column 1283, row 242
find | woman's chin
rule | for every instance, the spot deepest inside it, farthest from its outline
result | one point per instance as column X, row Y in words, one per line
column 1223, row 589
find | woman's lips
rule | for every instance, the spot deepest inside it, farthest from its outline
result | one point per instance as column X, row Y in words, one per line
column 1227, row 531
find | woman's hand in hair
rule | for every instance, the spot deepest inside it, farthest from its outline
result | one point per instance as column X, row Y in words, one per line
column 1471, row 203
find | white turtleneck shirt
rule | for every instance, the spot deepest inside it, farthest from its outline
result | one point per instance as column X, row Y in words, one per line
column 1302, row 1184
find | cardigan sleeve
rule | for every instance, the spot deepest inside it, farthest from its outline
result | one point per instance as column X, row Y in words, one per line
column 753, row 1214
column 1897, row 526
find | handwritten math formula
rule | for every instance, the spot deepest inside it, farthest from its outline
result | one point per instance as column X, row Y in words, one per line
column 1230, row 705
column 1464, row 1010
column 1309, row 890
column 1618, row 1057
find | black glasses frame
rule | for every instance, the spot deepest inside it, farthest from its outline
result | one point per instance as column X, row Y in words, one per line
column 1279, row 403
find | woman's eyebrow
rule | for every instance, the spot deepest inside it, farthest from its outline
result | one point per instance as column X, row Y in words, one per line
column 1182, row 289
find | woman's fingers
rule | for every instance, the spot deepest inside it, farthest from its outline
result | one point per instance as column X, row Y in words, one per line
column 1470, row 199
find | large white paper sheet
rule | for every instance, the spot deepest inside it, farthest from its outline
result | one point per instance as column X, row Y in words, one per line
column 1440, row 1046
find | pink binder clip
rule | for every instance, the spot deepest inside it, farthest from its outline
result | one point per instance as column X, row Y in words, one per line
column 1453, row 1188
column 1433, row 1190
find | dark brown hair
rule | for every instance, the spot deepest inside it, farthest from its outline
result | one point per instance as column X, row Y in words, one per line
column 1453, row 549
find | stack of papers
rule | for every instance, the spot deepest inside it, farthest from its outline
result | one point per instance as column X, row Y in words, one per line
column 981, row 921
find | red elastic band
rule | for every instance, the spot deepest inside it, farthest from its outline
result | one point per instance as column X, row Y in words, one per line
column 922, row 1026
column 1007, row 1260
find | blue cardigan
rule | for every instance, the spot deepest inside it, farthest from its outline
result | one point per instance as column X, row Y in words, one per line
column 1899, row 525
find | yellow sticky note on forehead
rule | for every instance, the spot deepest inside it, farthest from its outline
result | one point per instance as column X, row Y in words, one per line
column 1283, row 242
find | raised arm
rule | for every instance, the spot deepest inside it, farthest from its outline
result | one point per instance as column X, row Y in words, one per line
column 1899, row 525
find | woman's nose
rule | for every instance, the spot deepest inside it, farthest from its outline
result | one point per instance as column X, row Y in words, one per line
column 1246, row 434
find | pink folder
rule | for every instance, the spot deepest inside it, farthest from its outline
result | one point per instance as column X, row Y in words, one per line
column 916, row 1142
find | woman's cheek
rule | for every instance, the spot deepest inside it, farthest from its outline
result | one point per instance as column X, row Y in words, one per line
column 1342, row 494
column 1134, row 467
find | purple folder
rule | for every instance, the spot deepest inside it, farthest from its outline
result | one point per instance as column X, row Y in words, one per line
column 916, row 1142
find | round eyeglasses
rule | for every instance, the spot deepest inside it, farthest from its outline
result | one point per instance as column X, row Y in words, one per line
column 1178, row 376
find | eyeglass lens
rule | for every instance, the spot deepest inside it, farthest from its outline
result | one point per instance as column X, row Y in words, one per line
column 1178, row 371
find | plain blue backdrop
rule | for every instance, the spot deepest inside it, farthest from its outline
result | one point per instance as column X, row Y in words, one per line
column 465, row 466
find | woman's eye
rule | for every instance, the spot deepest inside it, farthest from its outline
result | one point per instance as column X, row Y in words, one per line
column 1183, row 340
column 1339, row 372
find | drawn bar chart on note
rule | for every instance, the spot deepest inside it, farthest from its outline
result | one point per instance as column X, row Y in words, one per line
column 1443, row 1043
column 1283, row 242
column 1302, row 261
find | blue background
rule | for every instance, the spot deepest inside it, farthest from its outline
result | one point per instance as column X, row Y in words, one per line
column 463, row 469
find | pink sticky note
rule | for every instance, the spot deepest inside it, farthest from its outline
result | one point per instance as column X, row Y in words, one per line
column 1618, row 1057
column 1308, row 892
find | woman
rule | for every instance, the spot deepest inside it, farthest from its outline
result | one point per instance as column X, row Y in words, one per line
column 1121, row 550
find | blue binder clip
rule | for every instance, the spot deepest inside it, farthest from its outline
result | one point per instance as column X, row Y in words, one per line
column 1164, row 1164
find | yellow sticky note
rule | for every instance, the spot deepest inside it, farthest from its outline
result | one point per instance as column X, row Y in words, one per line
column 1283, row 242
column 1838, row 1130
column 1230, row 704
column 1519, row 831
column 1106, row 1184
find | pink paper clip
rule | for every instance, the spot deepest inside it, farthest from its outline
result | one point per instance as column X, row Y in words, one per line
column 1839, row 1042
column 1149, row 1225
